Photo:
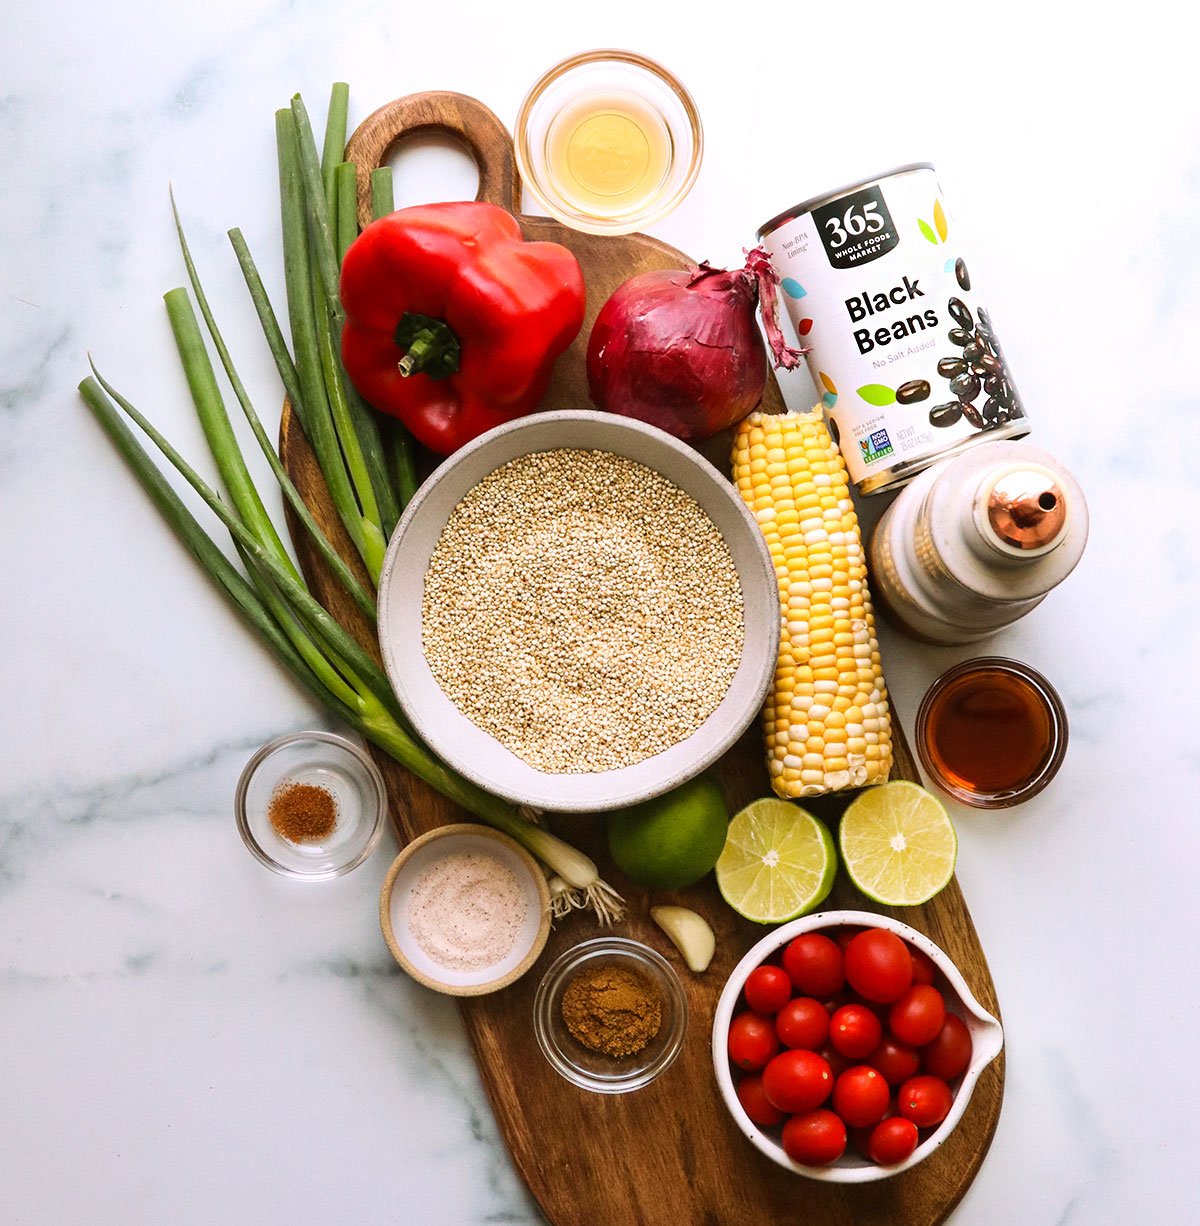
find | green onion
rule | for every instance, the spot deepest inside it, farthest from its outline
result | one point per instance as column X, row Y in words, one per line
column 366, row 536
column 404, row 461
column 201, row 546
column 374, row 718
column 317, row 209
column 254, row 521
column 284, row 577
column 218, row 429
column 333, row 149
column 382, row 198
column 347, row 436
column 355, row 424
column 401, row 444
column 270, row 324
column 345, row 184
column 361, row 597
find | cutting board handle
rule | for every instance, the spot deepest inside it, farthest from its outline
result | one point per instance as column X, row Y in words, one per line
column 438, row 112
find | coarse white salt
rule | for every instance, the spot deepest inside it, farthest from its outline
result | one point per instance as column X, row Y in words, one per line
column 466, row 911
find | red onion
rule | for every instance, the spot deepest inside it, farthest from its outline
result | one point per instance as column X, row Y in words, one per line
column 681, row 349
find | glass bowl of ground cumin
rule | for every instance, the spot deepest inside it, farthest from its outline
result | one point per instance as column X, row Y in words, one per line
column 310, row 805
column 610, row 1015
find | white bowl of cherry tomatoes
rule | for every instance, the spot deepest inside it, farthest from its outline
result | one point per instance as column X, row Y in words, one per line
column 847, row 1045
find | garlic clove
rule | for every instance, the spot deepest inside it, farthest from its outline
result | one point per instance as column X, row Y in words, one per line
column 690, row 934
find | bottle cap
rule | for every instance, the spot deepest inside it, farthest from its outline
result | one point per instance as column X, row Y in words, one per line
column 1027, row 509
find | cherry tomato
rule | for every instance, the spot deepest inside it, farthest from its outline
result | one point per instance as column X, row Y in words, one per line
column 752, row 1040
column 767, row 989
column 878, row 965
column 859, row 1138
column 948, row 1055
column 917, row 1017
column 891, row 1141
column 844, row 935
column 797, row 1081
column 802, row 1022
column 814, row 964
column 754, row 1101
column 855, row 1031
column 925, row 1100
column 861, row 1096
column 924, row 968
column 838, row 1063
column 816, row 1138
column 895, row 1060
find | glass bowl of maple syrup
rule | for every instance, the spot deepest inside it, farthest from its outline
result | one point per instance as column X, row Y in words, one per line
column 991, row 732
column 608, row 142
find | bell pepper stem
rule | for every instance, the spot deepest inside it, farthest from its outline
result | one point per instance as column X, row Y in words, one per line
column 421, row 351
column 430, row 346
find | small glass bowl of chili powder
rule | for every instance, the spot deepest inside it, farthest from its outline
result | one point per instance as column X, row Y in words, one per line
column 310, row 805
column 610, row 1015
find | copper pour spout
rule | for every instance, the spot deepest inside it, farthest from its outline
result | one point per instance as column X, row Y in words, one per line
column 1027, row 509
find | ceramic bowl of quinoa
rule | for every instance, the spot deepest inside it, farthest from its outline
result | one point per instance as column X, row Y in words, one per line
column 577, row 612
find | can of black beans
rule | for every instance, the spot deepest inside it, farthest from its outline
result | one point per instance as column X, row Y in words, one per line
column 903, row 353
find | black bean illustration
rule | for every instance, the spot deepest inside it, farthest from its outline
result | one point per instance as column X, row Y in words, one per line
column 959, row 336
column 974, row 351
column 972, row 414
column 942, row 415
column 985, row 323
column 987, row 366
column 1003, row 417
column 949, row 367
column 960, row 271
column 992, row 385
column 991, row 408
column 834, row 432
column 912, row 391
column 965, row 386
column 1005, row 393
column 961, row 313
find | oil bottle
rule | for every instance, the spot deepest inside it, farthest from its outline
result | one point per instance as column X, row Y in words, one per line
column 976, row 542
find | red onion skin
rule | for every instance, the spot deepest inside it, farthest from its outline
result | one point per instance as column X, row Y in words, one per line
column 680, row 350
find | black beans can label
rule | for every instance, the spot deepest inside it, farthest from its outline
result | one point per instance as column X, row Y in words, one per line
column 904, row 354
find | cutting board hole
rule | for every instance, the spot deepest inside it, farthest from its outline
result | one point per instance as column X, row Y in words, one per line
column 428, row 168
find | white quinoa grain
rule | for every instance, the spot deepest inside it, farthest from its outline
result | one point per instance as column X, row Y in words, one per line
column 583, row 610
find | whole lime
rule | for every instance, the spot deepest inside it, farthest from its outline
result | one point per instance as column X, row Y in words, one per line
column 672, row 840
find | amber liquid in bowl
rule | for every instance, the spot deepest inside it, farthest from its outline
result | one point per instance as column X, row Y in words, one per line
column 991, row 732
column 608, row 154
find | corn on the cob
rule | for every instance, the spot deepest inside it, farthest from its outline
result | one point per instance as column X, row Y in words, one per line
column 826, row 722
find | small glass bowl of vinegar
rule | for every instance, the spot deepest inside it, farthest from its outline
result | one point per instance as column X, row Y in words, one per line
column 608, row 142
column 991, row 732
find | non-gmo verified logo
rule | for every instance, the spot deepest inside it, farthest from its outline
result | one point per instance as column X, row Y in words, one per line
column 875, row 446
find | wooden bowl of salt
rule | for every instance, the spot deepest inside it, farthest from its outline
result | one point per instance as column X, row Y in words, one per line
column 465, row 910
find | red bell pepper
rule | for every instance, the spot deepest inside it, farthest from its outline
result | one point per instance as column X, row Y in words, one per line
column 453, row 321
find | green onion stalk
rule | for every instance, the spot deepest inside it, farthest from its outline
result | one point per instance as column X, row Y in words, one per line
column 272, row 597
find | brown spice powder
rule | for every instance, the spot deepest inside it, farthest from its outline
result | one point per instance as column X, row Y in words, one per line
column 612, row 1009
column 302, row 812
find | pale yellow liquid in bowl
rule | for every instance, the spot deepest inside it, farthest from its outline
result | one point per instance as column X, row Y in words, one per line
column 608, row 154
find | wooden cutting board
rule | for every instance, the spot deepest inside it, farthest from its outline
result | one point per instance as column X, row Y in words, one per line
column 667, row 1155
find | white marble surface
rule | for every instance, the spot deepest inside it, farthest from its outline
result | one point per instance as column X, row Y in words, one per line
column 185, row 1038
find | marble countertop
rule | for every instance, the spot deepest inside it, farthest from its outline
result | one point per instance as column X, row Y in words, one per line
column 186, row 1038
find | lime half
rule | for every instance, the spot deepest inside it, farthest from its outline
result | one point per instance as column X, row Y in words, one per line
column 898, row 844
column 779, row 862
